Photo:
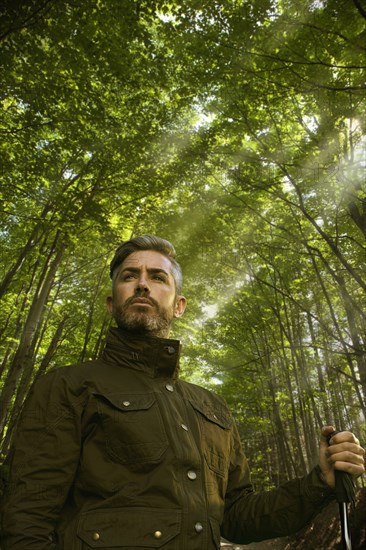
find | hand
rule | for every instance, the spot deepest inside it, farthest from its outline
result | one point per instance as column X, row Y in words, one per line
column 343, row 453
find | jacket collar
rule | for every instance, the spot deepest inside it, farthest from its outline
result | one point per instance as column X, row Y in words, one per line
column 157, row 357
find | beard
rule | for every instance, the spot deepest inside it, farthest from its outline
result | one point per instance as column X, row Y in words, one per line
column 153, row 321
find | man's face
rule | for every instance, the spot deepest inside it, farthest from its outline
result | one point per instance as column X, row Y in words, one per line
column 144, row 297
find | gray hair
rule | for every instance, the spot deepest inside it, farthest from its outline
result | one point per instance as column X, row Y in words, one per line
column 148, row 242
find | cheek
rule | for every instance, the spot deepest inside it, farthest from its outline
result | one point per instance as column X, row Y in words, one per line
column 165, row 299
column 120, row 295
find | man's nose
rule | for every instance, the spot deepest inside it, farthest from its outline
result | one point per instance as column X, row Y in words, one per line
column 142, row 284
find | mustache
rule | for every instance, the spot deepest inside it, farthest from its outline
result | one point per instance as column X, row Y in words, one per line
column 149, row 300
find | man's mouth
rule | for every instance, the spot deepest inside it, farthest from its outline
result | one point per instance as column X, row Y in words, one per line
column 142, row 301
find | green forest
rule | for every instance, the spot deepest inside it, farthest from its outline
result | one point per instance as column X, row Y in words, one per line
column 233, row 128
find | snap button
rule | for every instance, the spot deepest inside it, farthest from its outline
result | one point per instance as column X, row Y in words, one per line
column 192, row 475
column 126, row 403
column 169, row 387
column 184, row 427
column 198, row 527
column 170, row 350
column 95, row 536
column 158, row 534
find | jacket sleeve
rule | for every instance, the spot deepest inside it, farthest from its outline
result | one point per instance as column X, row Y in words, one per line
column 44, row 459
column 252, row 517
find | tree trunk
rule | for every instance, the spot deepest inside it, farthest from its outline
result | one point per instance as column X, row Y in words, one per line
column 24, row 354
column 24, row 384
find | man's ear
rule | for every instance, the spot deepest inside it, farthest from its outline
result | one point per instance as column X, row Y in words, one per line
column 180, row 306
column 109, row 302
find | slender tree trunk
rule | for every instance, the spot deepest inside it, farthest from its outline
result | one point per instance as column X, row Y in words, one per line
column 24, row 353
column 32, row 241
column 55, row 342
column 327, row 238
column 286, row 334
column 321, row 379
column 359, row 349
column 344, row 344
column 100, row 341
column 89, row 325
column 24, row 296
column 24, row 384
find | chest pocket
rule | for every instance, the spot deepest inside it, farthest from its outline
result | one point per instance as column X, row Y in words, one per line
column 133, row 427
column 215, row 425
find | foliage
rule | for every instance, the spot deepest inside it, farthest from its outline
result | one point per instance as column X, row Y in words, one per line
column 234, row 129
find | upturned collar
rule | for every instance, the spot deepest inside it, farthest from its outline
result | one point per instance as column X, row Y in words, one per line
column 158, row 357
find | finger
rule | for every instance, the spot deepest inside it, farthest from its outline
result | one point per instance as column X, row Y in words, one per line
column 343, row 437
column 347, row 456
column 345, row 447
column 348, row 461
column 355, row 470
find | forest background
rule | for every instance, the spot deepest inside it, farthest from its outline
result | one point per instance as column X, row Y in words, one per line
column 234, row 128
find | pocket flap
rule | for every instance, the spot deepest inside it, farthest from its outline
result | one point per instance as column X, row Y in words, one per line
column 217, row 414
column 130, row 527
column 127, row 401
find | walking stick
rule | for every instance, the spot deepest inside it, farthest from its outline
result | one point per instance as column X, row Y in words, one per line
column 345, row 493
column 342, row 480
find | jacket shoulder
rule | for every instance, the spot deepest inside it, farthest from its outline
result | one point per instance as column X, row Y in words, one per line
column 69, row 379
column 71, row 372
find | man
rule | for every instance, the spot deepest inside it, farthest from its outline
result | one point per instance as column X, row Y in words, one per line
column 119, row 453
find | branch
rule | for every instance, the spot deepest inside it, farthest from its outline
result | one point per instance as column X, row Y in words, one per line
column 27, row 20
column 362, row 11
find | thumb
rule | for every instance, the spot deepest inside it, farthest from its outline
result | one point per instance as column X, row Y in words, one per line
column 327, row 471
column 325, row 433
column 324, row 436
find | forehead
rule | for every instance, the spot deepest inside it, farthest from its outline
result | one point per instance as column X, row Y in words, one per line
column 149, row 259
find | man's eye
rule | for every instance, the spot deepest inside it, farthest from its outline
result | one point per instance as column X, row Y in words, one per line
column 159, row 278
column 128, row 276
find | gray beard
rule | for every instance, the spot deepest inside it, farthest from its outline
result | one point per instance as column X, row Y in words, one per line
column 152, row 323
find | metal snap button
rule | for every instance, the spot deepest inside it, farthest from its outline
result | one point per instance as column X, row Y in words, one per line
column 198, row 527
column 192, row 475
column 126, row 403
column 158, row 534
column 169, row 387
column 95, row 536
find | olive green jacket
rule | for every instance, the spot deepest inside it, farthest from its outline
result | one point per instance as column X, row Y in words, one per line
column 119, row 453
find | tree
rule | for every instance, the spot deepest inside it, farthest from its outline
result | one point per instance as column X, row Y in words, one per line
column 236, row 130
